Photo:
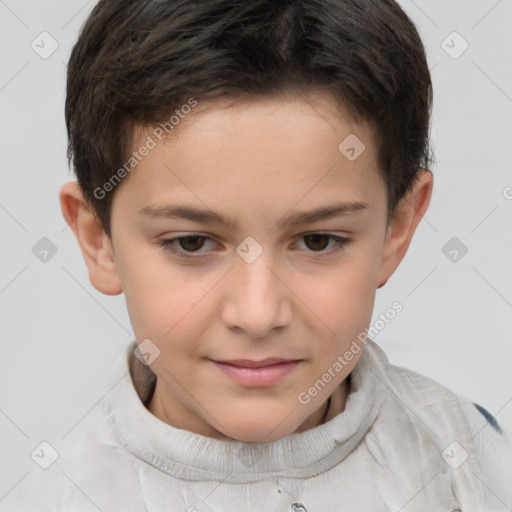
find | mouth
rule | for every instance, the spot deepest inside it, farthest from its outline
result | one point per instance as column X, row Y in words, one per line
column 247, row 363
column 256, row 373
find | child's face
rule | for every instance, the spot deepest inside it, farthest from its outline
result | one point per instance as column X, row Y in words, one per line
column 303, row 298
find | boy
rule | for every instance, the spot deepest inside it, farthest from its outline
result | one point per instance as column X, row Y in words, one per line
column 216, row 144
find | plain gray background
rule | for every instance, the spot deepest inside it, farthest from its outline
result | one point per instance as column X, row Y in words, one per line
column 60, row 336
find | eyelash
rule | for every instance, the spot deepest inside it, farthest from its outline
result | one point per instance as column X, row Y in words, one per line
column 166, row 244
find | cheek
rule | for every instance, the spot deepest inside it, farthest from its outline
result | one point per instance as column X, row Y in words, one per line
column 342, row 300
column 161, row 310
column 164, row 303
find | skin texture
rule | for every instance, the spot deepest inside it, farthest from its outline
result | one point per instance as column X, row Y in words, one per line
column 255, row 163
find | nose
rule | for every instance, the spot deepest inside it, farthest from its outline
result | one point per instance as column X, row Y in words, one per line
column 257, row 300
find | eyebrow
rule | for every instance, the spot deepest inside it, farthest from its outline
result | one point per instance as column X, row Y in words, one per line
column 210, row 217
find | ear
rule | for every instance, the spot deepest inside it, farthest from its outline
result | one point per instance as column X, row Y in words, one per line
column 409, row 212
column 95, row 245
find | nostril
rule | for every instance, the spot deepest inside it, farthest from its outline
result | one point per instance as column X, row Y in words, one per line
column 299, row 507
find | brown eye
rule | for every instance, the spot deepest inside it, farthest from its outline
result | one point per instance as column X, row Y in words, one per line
column 325, row 244
column 317, row 242
column 186, row 246
column 191, row 243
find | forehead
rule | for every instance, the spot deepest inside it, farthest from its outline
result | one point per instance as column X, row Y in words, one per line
column 254, row 153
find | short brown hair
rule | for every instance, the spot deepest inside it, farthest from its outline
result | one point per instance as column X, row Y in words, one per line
column 137, row 61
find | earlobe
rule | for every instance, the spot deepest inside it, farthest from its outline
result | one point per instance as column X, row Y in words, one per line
column 409, row 213
column 95, row 245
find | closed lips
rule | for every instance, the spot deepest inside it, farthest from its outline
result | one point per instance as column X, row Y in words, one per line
column 246, row 363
